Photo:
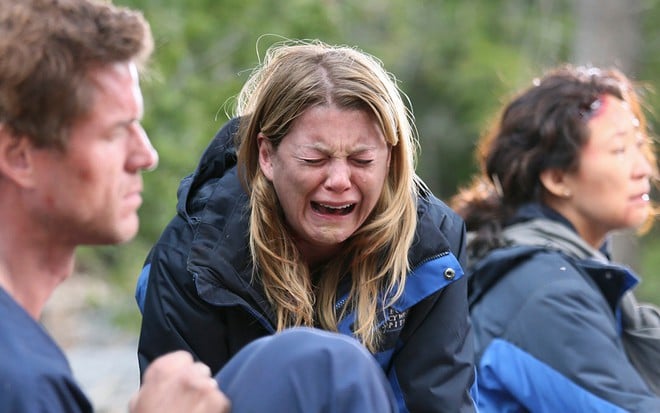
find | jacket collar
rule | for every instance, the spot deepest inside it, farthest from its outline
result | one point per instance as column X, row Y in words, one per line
column 536, row 228
column 538, row 211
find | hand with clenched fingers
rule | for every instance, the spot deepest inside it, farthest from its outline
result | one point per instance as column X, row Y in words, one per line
column 176, row 383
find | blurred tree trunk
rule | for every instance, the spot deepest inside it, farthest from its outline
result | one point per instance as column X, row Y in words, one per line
column 609, row 33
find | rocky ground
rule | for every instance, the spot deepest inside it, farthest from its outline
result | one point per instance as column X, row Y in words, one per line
column 102, row 356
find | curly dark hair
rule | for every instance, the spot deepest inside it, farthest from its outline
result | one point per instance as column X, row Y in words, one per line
column 543, row 127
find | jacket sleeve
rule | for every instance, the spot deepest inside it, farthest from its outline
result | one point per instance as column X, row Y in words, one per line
column 578, row 326
column 438, row 333
column 173, row 314
column 175, row 317
column 563, row 345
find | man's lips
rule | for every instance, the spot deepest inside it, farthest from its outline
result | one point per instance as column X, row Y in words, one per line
column 134, row 197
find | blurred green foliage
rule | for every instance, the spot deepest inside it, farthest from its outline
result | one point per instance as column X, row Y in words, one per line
column 456, row 60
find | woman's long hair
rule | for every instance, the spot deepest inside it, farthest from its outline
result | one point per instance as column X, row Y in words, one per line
column 293, row 78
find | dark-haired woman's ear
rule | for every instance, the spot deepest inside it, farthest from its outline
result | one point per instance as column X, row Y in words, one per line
column 555, row 184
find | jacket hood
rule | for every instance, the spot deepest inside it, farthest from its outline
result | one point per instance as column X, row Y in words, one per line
column 218, row 157
column 215, row 205
column 553, row 235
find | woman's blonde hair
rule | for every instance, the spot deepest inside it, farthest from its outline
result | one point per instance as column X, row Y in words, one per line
column 293, row 77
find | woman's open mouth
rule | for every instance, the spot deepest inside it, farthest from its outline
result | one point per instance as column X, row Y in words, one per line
column 333, row 210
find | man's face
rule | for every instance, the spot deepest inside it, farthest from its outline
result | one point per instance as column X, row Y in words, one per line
column 90, row 193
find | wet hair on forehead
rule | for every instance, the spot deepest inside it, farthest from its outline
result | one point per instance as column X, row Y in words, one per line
column 306, row 75
column 296, row 76
column 592, row 110
column 600, row 105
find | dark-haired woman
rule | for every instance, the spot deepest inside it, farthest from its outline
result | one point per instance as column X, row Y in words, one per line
column 568, row 162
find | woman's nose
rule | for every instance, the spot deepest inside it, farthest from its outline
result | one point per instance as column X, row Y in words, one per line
column 339, row 175
column 642, row 167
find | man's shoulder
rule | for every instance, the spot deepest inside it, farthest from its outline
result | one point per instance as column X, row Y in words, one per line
column 27, row 349
column 34, row 371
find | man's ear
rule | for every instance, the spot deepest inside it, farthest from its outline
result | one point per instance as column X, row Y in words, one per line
column 265, row 156
column 16, row 158
column 554, row 181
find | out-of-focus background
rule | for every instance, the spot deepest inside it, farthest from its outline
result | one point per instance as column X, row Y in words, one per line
column 456, row 60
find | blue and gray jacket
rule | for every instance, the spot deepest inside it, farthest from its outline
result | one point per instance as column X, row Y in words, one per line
column 197, row 292
column 546, row 315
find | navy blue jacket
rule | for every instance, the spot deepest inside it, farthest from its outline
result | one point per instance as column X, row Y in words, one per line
column 545, row 311
column 197, row 293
